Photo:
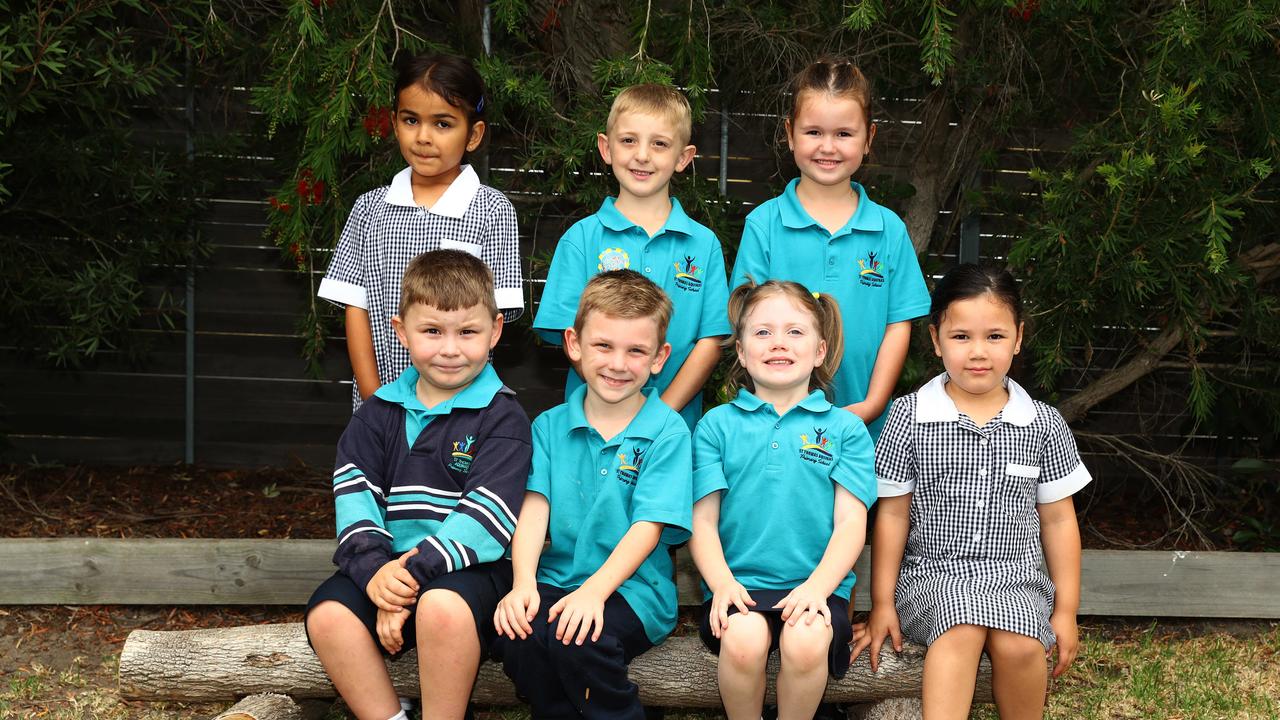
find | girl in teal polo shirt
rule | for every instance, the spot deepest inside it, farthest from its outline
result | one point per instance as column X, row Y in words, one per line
column 825, row 233
column 782, row 482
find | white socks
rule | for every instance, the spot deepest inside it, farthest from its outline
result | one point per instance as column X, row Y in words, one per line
column 399, row 716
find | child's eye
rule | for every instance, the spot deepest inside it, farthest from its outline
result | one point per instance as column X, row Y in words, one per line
column 444, row 124
column 815, row 133
column 959, row 336
column 761, row 333
column 409, row 120
column 795, row 331
column 662, row 143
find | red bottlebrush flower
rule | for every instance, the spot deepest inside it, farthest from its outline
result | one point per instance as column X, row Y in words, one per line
column 317, row 192
column 377, row 122
column 284, row 207
column 274, row 203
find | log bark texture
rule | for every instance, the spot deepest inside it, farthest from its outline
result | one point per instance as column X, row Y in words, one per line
column 266, row 706
column 224, row 663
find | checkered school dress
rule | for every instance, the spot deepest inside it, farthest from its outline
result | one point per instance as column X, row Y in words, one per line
column 387, row 229
column 973, row 552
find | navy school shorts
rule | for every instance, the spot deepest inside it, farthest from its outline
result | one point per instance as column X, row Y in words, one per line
column 481, row 586
column 841, row 630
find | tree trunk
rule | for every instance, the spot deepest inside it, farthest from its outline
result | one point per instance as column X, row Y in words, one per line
column 220, row 664
column 263, row 707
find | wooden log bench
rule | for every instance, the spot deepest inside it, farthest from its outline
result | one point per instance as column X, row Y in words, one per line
column 229, row 663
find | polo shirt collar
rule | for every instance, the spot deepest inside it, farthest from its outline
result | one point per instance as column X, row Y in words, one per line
column 612, row 218
column 933, row 404
column 793, row 214
column 479, row 394
column 815, row 401
column 453, row 203
column 647, row 423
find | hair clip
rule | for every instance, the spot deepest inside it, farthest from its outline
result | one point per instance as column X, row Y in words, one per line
column 480, row 105
column 817, row 295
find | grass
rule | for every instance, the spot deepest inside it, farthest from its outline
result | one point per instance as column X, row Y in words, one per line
column 1182, row 673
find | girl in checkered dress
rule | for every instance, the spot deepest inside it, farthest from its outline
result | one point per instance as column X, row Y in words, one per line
column 975, row 483
column 435, row 203
column 782, row 481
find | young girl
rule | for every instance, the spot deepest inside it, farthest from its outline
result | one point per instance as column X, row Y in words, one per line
column 782, row 483
column 825, row 233
column 435, row 203
column 975, row 478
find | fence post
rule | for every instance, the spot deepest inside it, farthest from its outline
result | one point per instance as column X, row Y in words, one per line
column 970, row 237
column 723, row 182
column 189, row 436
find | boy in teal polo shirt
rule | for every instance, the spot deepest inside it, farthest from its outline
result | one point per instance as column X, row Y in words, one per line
column 611, row 487
column 646, row 230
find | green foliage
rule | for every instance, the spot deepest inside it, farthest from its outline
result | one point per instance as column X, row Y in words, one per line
column 94, row 206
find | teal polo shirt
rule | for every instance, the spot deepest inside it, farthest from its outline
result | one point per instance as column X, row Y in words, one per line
column 778, row 478
column 683, row 258
column 598, row 489
column 403, row 391
column 868, row 265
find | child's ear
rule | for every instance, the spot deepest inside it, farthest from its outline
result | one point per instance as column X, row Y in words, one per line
column 686, row 157
column 497, row 330
column 933, row 335
column 660, row 358
column 786, row 129
column 398, row 325
column 602, row 143
column 477, row 134
column 871, row 135
column 1017, row 342
column 822, row 354
column 572, row 344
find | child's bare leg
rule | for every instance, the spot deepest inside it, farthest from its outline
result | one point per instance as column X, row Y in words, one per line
column 448, row 654
column 1018, row 674
column 353, row 661
column 744, row 650
column 951, row 671
column 803, row 675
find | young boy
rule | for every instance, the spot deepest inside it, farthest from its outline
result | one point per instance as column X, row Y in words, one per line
column 611, row 486
column 645, row 229
column 429, row 480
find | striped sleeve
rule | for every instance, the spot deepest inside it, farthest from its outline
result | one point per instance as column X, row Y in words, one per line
column 479, row 528
column 360, row 505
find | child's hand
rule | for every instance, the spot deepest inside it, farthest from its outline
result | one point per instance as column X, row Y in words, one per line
column 732, row 594
column 865, row 410
column 1068, row 644
column 882, row 622
column 393, row 587
column 516, row 611
column 389, row 627
column 578, row 611
column 805, row 602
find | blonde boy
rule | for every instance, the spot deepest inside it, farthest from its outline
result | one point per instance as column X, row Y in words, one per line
column 611, row 487
column 645, row 229
column 428, row 483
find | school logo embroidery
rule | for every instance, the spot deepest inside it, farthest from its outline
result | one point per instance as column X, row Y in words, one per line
column 871, row 271
column 819, row 450
column 629, row 472
column 613, row 259
column 688, row 275
column 462, row 454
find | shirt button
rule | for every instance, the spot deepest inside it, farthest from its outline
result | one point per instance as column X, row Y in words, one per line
column 648, row 270
column 981, row 503
column 774, row 446
column 604, row 471
column 982, row 472
column 982, row 442
column 777, row 425
column 977, row 537
column 831, row 261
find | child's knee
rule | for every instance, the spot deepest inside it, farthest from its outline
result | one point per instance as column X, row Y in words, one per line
column 331, row 619
column 443, row 613
column 1007, row 648
column 805, row 647
column 744, row 642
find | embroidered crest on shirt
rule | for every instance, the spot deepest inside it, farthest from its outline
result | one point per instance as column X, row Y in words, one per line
column 871, row 271
column 462, row 454
column 613, row 259
column 817, row 451
column 689, row 274
column 629, row 472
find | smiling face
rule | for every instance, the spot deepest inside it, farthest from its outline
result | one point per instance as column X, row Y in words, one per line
column 829, row 137
column 977, row 339
column 780, row 346
column 616, row 355
column 642, row 150
column 433, row 135
column 447, row 348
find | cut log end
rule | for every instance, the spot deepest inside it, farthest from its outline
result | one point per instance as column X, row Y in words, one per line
column 265, row 706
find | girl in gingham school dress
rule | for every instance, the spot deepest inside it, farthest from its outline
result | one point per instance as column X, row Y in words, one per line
column 435, row 203
column 975, row 482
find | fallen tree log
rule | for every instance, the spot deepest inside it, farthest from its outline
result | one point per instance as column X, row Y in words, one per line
column 267, row 706
column 225, row 663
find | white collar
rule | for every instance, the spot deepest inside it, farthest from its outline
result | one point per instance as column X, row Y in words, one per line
column 453, row 203
column 933, row 404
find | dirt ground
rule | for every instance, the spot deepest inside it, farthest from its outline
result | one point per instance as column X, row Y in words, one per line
column 76, row 648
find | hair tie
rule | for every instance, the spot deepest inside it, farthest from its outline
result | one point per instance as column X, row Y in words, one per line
column 480, row 105
column 817, row 295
